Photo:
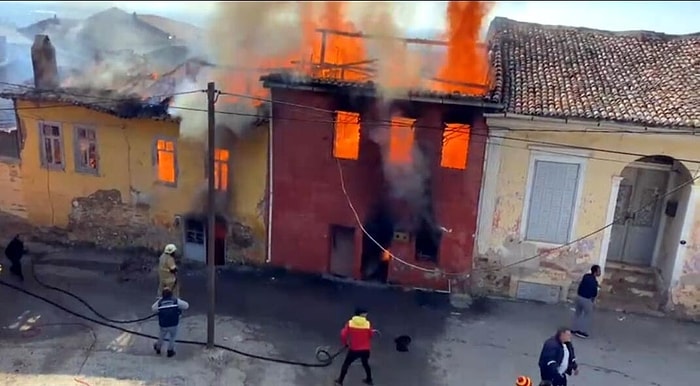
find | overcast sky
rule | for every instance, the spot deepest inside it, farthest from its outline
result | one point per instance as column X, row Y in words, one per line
column 675, row 17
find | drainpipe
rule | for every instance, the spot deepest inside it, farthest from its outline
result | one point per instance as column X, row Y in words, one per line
column 270, row 180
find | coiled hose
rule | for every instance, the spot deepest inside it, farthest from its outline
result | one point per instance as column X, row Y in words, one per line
column 324, row 357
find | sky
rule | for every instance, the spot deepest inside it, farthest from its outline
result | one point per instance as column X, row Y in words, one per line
column 673, row 17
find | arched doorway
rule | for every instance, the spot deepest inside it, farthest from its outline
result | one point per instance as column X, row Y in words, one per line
column 648, row 219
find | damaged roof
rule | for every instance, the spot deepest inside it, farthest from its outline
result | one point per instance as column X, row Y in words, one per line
column 128, row 106
column 369, row 88
column 643, row 78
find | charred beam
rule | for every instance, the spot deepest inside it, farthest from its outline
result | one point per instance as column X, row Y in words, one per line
column 360, row 35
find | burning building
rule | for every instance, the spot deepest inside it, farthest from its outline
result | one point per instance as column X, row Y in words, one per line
column 374, row 182
column 109, row 166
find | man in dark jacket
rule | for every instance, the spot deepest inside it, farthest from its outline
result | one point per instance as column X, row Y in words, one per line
column 169, row 309
column 587, row 293
column 557, row 359
column 14, row 252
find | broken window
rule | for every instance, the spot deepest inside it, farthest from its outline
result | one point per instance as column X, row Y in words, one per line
column 455, row 146
column 51, row 145
column 346, row 140
column 85, row 150
column 428, row 238
column 221, row 157
column 166, row 163
column 401, row 137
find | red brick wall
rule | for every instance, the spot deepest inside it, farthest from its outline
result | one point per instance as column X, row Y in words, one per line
column 308, row 197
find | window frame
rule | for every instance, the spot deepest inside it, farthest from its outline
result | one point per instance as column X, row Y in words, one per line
column 42, row 150
column 218, row 175
column 77, row 153
column 335, row 133
column 154, row 151
column 553, row 156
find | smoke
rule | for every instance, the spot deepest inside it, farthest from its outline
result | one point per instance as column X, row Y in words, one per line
column 408, row 180
column 244, row 38
column 398, row 65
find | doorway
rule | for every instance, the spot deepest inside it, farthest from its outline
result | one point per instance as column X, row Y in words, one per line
column 638, row 211
column 342, row 250
column 195, row 240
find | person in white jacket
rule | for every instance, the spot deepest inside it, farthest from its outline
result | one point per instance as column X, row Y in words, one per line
column 169, row 309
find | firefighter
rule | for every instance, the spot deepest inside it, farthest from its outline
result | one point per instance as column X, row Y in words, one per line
column 167, row 271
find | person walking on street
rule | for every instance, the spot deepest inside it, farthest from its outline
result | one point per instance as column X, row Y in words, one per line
column 357, row 337
column 14, row 252
column 169, row 309
column 557, row 358
column 167, row 271
column 587, row 293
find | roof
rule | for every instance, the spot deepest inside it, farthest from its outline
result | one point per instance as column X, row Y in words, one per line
column 369, row 88
column 180, row 30
column 128, row 106
column 644, row 78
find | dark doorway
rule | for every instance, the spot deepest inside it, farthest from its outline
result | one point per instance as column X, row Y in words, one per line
column 380, row 226
column 428, row 242
column 195, row 245
column 342, row 250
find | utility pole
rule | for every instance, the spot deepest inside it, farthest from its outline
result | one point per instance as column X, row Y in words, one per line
column 211, row 214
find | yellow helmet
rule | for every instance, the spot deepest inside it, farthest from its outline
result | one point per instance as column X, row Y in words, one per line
column 170, row 249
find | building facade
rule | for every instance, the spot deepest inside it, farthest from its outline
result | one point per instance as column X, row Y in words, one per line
column 113, row 170
column 592, row 163
column 351, row 173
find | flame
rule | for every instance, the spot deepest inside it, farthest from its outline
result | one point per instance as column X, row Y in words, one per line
column 154, row 76
column 346, row 141
column 386, row 255
column 346, row 56
column 401, row 138
column 455, row 146
column 467, row 60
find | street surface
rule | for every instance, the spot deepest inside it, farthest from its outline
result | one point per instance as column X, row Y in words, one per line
column 288, row 316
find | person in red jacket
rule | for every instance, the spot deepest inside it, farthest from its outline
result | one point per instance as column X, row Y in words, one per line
column 357, row 337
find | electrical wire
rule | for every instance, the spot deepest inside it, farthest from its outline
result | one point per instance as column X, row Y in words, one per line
column 495, row 269
column 324, row 358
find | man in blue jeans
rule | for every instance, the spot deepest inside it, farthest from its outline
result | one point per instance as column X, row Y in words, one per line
column 169, row 309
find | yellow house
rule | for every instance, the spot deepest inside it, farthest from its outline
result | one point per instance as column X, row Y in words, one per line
column 595, row 161
column 113, row 171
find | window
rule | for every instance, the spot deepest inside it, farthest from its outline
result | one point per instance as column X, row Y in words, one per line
column 552, row 197
column 455, row 146
column 51, row 145
column 85, row 150
column 221, row 157
column 165, row 161
column 346, row 139
column 401, row 140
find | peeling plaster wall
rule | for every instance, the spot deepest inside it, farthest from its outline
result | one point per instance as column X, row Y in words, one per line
column 123, row 205
column 501, row 240
column 685, row 293
column 11, row 193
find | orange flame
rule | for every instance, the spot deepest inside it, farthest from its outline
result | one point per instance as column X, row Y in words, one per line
column 386, row 255
column 465, row 68
column 467, row 61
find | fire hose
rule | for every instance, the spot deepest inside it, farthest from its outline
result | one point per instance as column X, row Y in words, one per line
column 324, row 357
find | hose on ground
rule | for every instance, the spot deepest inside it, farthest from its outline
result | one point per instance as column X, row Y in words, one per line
column 81, row 300
column 324, row 358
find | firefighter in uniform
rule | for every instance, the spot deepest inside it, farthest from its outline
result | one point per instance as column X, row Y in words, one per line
column 167, row 271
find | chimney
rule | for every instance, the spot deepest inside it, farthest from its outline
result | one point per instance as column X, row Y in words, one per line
column 44, row 63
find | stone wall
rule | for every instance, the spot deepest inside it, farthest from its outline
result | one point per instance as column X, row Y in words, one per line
column 104, row 219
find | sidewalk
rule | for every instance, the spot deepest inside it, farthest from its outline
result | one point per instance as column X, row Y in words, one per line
column 289, row 316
